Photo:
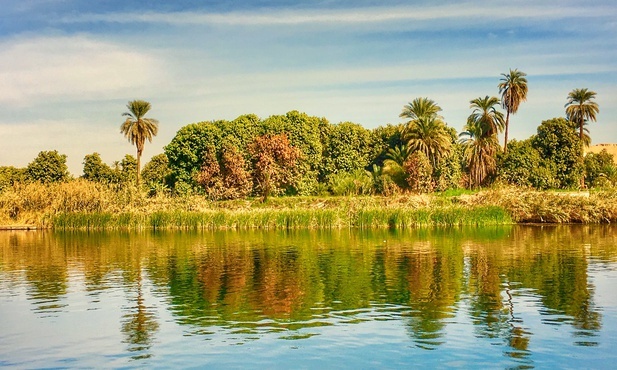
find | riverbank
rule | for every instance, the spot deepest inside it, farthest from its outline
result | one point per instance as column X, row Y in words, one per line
column 85, row 205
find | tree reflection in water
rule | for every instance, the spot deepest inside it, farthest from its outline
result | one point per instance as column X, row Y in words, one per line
column 139, row 323
column 290, row 282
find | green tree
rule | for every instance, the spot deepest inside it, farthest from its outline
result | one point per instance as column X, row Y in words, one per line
column 419, row 108
column 449, row 171
column 523, row 165
column 384, row 138
column 308, row 134
column 398, row 155
column 96, row 170
column 156, row 171
column 347, row 148
column 125, row 171
column 186, row 150
column 600, row 168
column 486, row 115
column 513, row 90
column 561, row 149
column 480, row 149
column 10, row 175
column 581, row 108
column 47, row 167
column 137, row 128
column 428, row 135
column 274, row 164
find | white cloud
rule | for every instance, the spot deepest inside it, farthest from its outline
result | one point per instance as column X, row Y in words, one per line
column 473, row 11
column 69, row 67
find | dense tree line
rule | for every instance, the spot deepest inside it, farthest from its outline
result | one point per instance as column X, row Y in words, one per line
column 298, row 154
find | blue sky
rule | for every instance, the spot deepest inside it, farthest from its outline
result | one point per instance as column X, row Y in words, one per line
column 68, row 67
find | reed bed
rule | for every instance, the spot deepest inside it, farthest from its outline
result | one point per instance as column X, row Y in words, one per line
column 82, row 205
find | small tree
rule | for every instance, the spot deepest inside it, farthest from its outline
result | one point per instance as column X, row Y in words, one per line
column 47, row 167
column 274, row 164
column 96, row 170
column 10, row 175
column 224, row 178
column 600, row 168
column 156, row 171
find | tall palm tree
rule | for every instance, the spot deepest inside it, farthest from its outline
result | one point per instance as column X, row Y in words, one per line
column 480, row 151
column 485, row 114
column 428, row 134
column 581, row 108
column 420, row 107
column 137, row 128
column 513, row 90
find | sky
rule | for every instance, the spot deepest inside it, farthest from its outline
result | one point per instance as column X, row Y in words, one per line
column 69, row 67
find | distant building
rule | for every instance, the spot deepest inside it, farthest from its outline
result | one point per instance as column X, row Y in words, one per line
column 610, row 148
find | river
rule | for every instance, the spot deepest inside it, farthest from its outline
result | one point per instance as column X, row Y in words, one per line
column 499, row 297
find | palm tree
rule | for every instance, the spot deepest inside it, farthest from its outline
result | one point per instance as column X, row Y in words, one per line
column 137, row 128
column 586, row 138
column 513, row 90
column 480, row 138
column 480, row 150
column 485, row 114
column 398, row 155
column 428, row 134
column 581, row 108
column 420, row 107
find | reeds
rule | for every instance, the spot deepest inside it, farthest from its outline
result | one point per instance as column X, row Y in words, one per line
column 84, row 205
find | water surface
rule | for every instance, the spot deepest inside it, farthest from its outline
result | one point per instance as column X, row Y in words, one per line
column 486, row 297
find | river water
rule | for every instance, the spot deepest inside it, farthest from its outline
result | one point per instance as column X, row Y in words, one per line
column 500, row 297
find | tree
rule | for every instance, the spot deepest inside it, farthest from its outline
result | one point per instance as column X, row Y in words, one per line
column 600, row 168
column 513, row 90
column 428, row 135
column 486, row 115
column 96, row 170
column 398, row 155
column 561, row 150
column 346, row 148
column 419, row 173
column 138, row 129
column 10, row 175
column 420, row 107
column 47, row 167
column 581, row 108
column 274, row 164
column 156, row 171
column 523, row 165
column 480, row 149
column 224, row 178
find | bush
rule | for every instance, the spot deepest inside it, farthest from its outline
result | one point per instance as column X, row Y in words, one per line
column 419, row 173
column 357, row 182
column 48, row 167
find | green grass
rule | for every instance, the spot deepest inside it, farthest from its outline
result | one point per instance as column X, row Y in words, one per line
column 392, row 218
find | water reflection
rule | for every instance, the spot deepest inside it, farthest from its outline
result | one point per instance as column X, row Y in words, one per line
column 248, row 284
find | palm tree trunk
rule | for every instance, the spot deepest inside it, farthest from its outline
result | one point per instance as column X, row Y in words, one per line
column 505, row 141
column 582, row 150
column 138, row 167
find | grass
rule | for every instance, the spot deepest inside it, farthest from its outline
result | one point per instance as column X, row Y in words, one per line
column 82, row 205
